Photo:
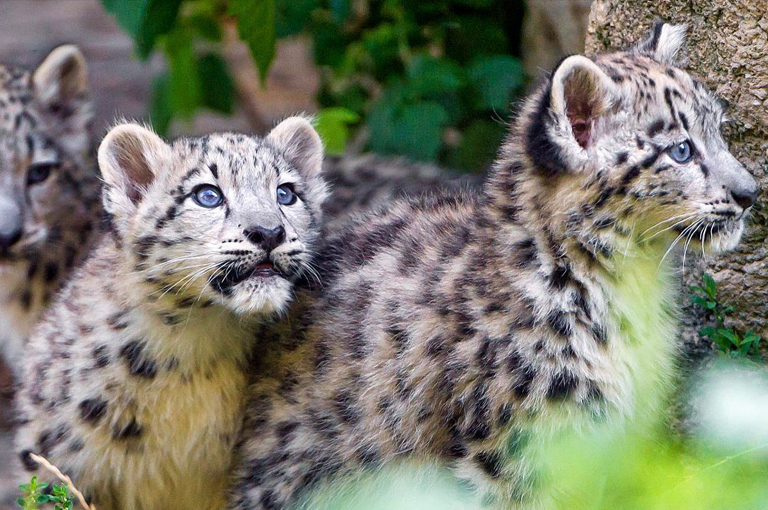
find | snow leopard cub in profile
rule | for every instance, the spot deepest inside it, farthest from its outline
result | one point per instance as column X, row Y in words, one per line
column 134, row 382
column 465, row 329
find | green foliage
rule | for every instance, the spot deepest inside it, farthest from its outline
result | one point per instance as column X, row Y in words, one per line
column 333, row 126
column 256, row 26
column 427, row 80
column 729, row 341
column 34, row 494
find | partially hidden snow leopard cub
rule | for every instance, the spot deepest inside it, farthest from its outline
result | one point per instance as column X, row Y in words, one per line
column 464, row 329
column 49, row 191
column 134, row 381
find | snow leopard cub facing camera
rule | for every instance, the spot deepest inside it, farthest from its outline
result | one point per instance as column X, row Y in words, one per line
column 134, row 381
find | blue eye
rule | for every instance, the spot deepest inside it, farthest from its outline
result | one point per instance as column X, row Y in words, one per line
column 285, row 195
column 682, row 152
column 208, row 196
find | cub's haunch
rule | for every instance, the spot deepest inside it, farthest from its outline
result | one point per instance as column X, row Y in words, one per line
column 464, row 328
column 134, row 382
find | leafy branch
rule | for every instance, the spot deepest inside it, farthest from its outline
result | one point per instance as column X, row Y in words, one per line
column 428, row 80
column 728, row 340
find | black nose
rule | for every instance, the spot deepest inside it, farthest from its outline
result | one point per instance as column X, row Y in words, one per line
column 8, row 239
column 269, row 239
column 744, row 197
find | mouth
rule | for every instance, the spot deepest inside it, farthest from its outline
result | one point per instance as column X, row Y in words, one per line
column 231, row 275
column 265, row 270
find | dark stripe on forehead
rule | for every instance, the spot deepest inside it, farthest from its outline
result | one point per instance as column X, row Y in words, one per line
column 668, row 100
column 214, row 170
column 655, row 128
column 192, row 173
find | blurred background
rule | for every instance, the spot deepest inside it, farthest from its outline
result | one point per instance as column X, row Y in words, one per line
column 429, row 80
column 432, row 81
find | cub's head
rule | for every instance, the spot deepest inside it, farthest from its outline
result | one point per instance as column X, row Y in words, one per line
column 48, row 187
column 633, row 145
column 227, row 218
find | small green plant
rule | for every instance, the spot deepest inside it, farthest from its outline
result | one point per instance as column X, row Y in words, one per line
column 729, row 341
column 34, row 494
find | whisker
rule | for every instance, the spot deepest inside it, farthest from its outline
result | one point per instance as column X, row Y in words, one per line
column 678, row 220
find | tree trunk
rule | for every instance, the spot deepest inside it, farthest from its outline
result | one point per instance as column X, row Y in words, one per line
column 727, row 50
column 551, row 29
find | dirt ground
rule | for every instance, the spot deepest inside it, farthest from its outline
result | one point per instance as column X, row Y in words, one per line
column 120, row 84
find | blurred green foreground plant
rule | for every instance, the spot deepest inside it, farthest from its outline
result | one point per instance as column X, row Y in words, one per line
column 429, row 80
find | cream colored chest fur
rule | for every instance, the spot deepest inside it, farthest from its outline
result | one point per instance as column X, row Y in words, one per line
column 183, row 457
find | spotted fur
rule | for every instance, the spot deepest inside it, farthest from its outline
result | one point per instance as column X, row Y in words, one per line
column 134, row 382
column 49, row 193
column 465, row 329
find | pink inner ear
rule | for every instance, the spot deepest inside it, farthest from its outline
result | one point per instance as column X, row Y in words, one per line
column 581, row 130
column 581, row 100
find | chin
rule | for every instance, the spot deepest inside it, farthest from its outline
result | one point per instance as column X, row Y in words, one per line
column 726, row 239
column 261, row 296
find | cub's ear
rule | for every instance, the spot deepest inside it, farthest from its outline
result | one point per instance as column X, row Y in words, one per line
column 130, row 157
column 663, row 43
column 302, row 147
column 564, row 123
column 61, row 92
column 300, row 144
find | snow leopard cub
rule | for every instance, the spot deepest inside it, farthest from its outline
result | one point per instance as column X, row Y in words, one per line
column 465, row 329
column 49, row 190
column 134, row 382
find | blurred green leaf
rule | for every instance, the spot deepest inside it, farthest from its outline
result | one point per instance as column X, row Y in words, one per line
column 429, row 76
column 333, row 126
column 413, row 130
column 158, row 19
column 217, row 87
column 256, row 26
column 294, row 16
column 340, row 9
column 205, row 26
column 698, row 300
column 478, row 145
column 710, row 285
column 470, row 36
column 128, row 14
column 185, row 89
column 161, row 112
column 495, row 78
